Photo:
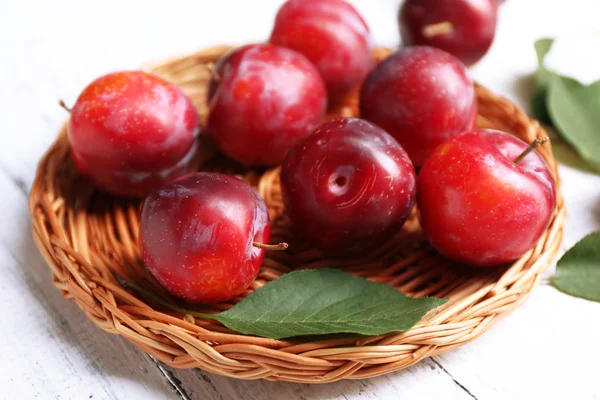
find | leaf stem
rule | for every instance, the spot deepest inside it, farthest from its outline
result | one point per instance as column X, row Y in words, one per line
column 536, row 143
column 436, row 29
column 63, row 105
column 278, row 246
column 164, row 302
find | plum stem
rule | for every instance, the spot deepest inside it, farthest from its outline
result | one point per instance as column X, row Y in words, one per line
column 213, row 73
column 278, row 246
column 535, row 144
column 63, row 105
column 438, row 28
column 164, row 302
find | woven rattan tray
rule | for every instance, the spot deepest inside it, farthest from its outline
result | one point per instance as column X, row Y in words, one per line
column 87, row 237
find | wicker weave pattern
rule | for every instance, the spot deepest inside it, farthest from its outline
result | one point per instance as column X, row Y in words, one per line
column 87, row 237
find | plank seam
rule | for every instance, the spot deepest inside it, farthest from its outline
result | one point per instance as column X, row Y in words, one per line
column 18, row 182
column 172, row 379
column 460, row 385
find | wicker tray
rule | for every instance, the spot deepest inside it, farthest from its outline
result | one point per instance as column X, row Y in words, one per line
column 87, row 237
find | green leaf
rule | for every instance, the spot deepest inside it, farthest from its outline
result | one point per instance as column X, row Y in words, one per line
column 574, row 109
column 325, row 301
column 578, row 270
column 542, row 79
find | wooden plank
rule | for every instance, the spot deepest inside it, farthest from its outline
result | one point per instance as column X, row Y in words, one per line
column 426, row 380
column 49, row 348
column 546, row 349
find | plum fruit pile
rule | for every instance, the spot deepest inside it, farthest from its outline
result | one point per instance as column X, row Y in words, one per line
column 348, row 184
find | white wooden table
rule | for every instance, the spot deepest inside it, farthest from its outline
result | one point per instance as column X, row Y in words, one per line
column 49, row 350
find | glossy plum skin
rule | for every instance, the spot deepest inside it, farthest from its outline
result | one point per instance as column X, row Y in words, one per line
column 196, row 236
column 349, row 186
column 331, row 34
column 268, row 98
column 472, row 31
column 421, row 96
column 131, row 132
column 477, row 206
